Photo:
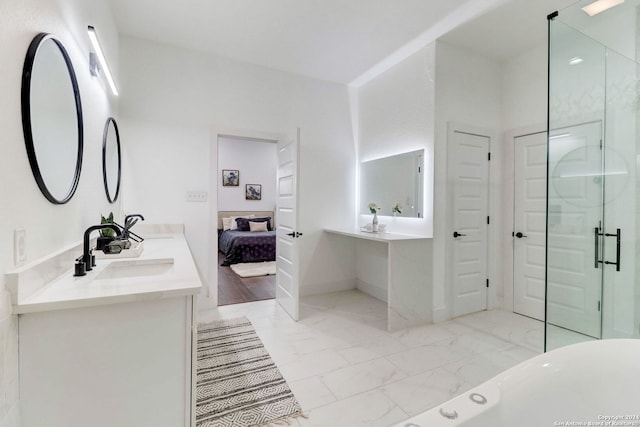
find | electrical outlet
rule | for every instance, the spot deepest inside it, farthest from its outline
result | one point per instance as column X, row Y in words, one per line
column 196, row 196
column 19, row 246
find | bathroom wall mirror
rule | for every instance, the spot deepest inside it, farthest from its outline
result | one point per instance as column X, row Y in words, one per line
column 111, row 159
column 394, row 180
column 52, row 118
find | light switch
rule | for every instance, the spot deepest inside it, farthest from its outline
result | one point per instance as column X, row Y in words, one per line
column 196, row 196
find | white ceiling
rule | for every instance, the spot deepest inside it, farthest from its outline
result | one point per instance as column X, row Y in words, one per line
column 508, row 30
column 335, row 40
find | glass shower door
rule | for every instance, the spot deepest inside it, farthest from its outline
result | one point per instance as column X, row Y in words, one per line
column 593, row 219
column 575, row 191
column 575, row 187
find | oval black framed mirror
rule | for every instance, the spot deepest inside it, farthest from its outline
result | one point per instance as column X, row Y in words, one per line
column 111, row 159
column 52, row 118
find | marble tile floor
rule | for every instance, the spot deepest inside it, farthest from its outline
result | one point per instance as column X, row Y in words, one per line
column 347, row 370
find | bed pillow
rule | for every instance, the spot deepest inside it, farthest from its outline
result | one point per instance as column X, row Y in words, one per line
column 243, row 223
column 263, row 219
column 234, row 223
column 258, row 226
column 227, row 223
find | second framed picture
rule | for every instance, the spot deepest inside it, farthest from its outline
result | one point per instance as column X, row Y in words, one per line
column 253, row 192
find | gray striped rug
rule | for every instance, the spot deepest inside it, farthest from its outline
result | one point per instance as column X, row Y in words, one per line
column 237, row 382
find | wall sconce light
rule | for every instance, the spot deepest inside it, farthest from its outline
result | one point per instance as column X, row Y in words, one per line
column 98, row 62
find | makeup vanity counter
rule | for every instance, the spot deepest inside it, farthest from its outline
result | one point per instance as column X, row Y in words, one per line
column 114, row 347
column 394, row 268
column 375, row 236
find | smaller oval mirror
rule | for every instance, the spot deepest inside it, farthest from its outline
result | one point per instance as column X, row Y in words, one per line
column 52, row 118
column 111, row 159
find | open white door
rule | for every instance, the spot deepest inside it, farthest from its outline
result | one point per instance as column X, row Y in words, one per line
column 529, row 219
column 287, row 287
column 470, row 181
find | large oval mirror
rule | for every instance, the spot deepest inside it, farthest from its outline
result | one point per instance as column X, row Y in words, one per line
column 52, row 118
column 111, row 160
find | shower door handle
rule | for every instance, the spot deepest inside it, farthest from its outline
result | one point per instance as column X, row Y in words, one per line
column 617, row 236
column 596, row 237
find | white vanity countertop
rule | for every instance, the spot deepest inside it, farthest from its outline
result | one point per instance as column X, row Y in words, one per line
column 179, row 278
column 380, row 237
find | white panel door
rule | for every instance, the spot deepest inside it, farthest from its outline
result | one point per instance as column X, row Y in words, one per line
column 470, row 182
column 574, row 274
column 287, row 286
column 529, row 224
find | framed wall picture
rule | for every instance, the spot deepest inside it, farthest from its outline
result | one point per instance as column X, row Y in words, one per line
column 230, row 178
column 253, row 192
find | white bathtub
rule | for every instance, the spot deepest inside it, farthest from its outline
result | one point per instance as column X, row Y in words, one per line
column 587, row 384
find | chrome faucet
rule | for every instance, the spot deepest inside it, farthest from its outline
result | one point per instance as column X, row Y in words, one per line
column 87, row 261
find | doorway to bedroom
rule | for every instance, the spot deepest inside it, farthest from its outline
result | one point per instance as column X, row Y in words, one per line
column 247, row 197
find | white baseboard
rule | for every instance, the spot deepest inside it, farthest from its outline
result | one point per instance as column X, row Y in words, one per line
column 497, row 303
column 324, row 288
column 441, row 314
column 206, row 303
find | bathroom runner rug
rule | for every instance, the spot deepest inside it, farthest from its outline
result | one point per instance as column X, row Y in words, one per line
column 237, row 382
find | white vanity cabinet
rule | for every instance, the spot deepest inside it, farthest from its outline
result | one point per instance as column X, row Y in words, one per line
column 113, row 348
column 112, row 365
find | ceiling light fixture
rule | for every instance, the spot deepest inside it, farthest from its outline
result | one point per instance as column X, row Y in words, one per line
column 95, row 65
column 575, row 60
column 600, row 6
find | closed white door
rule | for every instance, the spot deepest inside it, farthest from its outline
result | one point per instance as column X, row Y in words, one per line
column 287, row 286
column 529, row 224
column 574, row 245
column 469, row 164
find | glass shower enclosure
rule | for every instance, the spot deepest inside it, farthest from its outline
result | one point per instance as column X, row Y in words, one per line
column 593, row 221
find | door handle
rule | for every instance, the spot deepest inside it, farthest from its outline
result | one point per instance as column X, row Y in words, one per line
column 456, row 234
column 596, row 237
column 617, row 236
column 519, row 235
column 294, row 234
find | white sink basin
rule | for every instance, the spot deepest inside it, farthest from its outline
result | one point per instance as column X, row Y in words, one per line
column 136, row 268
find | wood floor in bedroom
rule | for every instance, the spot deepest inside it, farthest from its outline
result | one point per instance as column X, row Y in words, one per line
column 233, row 289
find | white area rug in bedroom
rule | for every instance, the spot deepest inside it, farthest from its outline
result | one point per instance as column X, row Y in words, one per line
column 252, row 269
